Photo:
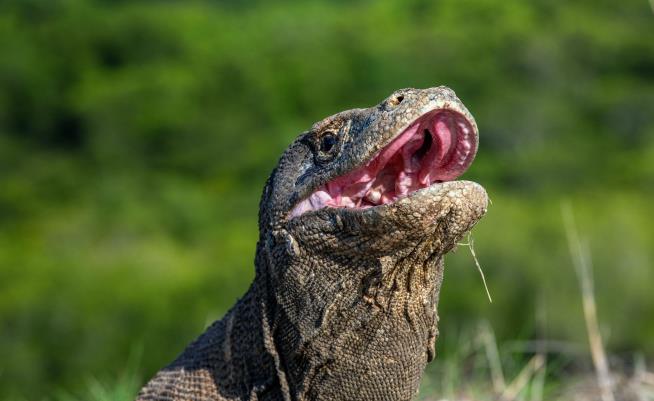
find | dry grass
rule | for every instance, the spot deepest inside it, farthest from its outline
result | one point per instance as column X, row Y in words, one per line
column 531, row 381
column 471, row 246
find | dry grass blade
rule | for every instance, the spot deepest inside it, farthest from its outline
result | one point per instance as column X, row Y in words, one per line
column 581, row 259
column 493, row 356
column 520, row 382
column 470, row 244
column 539, row 383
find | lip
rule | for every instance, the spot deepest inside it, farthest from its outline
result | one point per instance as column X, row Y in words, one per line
column 437, row 146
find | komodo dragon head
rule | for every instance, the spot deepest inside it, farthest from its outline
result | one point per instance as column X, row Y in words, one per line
column 354, row 223
column 357, row 217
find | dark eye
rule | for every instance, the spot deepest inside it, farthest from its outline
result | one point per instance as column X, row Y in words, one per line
column 327, row 142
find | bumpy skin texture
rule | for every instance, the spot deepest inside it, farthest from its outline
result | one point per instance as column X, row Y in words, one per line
column 343, row 304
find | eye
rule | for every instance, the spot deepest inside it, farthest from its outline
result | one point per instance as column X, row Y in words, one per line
column 327, row 141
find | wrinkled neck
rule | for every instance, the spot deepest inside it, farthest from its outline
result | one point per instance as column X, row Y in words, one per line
column 346, row 325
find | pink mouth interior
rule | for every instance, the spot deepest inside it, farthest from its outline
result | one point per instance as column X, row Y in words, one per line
column 439, row 146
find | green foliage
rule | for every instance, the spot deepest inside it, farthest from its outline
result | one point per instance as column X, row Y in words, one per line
column 123, row 388
column 135, row 138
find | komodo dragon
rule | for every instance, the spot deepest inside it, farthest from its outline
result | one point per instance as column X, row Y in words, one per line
column 353, row 225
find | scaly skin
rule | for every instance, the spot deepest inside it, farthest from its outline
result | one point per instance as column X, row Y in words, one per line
column 343, row 304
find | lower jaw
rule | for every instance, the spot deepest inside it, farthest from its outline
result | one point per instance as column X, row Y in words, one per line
column 430, row 201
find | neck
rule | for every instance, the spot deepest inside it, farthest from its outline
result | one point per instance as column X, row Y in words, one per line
column 364, row 336
column 238, row 352
column 368, row 336
column 249, row 336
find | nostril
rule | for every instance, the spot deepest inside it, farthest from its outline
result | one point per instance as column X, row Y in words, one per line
column 396, row 100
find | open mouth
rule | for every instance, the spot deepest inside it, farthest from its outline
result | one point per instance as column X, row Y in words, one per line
column 438, row 146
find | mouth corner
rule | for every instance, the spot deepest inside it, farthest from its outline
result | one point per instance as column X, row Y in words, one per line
column 438, row 146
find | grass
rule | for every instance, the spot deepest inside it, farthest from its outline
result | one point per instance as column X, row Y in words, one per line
column 465, row 378
column 121, row 388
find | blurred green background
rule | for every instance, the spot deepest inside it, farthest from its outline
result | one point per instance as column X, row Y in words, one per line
column 135, row 138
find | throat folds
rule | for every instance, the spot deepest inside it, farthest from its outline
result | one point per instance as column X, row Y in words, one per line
column 391, row 321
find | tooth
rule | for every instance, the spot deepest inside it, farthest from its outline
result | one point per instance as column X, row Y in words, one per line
column 406, row 183
column 301, row 207
column 357, row 190
column 462, row 155
column 367, row 176
column 425, row 179
column 463, row 127
column 373, row 196
column 386, row 199
column 347, row 202
column 319, row 199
